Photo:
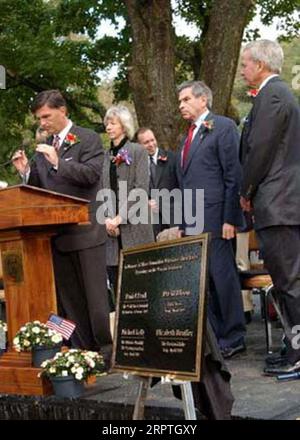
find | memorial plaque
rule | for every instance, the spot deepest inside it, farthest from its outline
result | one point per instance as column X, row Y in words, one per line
column 160, row 314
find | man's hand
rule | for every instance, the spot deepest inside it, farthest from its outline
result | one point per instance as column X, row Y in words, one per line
column 228, row 231
column 20, row 161
column 49, row 152
column 245, row 204
column 170, row 234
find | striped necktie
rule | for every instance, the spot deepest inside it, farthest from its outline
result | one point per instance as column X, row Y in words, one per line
column 56, row 142
column 152, row 170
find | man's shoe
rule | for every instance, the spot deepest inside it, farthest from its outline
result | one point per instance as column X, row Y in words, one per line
column 288, row 368
column 228, row 352
column 279, row 358
column 279, row 361
column 248, row 316
column 276, row 360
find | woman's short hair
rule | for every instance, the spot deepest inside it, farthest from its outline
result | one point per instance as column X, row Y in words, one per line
column 124, row 116
column 267, row 51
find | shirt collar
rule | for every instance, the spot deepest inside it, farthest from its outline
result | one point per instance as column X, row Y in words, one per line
column 199, row 121
column 267, row 80
column 63, row 133
column 155, row 156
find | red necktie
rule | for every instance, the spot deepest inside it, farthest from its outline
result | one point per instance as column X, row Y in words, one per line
column 187, row 144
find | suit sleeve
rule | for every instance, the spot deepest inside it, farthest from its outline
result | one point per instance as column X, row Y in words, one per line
column 175, row 208
column 264, row 139
column 228, row 145
column 34, row 178
column 88, row 169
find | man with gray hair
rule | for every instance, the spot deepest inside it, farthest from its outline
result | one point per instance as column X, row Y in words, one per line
column 270, row 153
column 209, row 161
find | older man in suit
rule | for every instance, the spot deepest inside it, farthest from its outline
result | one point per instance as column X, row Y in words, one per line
column 209, row 161
column 162, row 173
column 72, row 164
column 271, row 157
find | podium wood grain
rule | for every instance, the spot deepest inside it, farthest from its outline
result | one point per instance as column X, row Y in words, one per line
column 28, row 219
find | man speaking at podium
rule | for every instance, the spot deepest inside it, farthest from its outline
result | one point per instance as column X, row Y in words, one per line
column 71, row 163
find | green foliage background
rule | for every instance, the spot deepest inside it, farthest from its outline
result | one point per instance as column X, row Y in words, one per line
column 48, row 44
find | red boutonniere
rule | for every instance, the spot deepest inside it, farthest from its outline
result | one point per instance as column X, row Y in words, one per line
column 252, row 93
column 71, row 139
column 208, row 125
column 162, row 158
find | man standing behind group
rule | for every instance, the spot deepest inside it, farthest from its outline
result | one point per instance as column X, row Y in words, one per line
column 162, row 172
column 209, row 161
column 72, row 164
column 271, row 156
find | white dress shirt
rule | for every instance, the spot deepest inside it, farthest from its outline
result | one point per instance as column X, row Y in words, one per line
column 199, row 121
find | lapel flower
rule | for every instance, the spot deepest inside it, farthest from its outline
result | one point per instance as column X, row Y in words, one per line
column 252, row 93
column 122, row 156
column 208, row 125
column 162, row 158
column 71, row 139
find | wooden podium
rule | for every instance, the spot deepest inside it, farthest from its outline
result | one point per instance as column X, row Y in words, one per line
column 29, row 216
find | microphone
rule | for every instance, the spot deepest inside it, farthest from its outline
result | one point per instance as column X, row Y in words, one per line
column 24, row 145
column 26, row 142
column 5, row 164
column 41, row 137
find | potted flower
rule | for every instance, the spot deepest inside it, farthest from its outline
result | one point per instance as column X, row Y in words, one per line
column 3, row 331
column 37, row 337
column 69, row 369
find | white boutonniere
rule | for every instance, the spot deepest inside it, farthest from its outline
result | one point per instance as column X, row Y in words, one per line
column 208, row 128
column 208, row 125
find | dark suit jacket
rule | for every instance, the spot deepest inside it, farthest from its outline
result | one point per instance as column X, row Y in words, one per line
column 270, row 153
column 165, row 178
column 78, row 174
column 213, row 165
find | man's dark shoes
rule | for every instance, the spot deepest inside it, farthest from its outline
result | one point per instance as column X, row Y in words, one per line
column 248, row 317
column 228, row 352
column 277, row 359
column 285, row 369
column 106, row 352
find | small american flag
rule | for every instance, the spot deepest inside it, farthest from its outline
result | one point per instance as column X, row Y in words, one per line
column 61, row 325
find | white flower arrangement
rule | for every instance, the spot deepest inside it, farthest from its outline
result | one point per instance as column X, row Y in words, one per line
column 3, row 326
column 34, row 334
column 74, row 362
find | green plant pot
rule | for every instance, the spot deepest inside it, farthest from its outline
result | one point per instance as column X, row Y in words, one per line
column 41, row 354
column 67, row 386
